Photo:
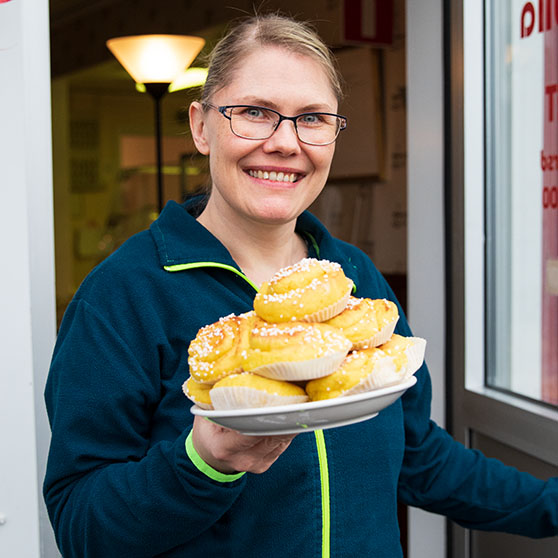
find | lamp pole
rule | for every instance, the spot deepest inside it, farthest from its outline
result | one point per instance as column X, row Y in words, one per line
column 156, row 61
column 157, row 92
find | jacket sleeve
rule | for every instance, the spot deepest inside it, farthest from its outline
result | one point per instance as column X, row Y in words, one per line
column 440, row 475
column 107, row 490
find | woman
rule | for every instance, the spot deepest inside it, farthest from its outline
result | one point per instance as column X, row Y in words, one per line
column 129, row 473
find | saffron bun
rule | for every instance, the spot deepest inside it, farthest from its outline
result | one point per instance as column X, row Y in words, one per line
column 198, row 393
column 309, row 291
column 371, row 368
column 247, row 390
column 220, row 348
column 361, row 371
column 407, row 352
column 367, row 322
column 295, row 351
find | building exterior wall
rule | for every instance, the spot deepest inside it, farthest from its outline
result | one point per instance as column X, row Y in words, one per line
column 27, row 326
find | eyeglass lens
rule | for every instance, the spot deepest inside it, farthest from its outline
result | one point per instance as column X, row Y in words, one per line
column 260, row 123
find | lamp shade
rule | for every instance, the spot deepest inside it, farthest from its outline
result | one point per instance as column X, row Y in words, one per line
column 155, row 58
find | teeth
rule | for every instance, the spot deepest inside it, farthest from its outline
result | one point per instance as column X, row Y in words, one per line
column 275, row 176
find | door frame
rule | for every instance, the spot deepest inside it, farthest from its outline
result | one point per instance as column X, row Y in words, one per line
column 425, row 226
column 27, row 293
column 474, row 408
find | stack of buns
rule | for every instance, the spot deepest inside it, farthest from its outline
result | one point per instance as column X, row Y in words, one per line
column 307, row 339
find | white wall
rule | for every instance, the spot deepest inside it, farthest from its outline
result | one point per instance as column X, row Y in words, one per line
column 27, row 319
column 425, row 258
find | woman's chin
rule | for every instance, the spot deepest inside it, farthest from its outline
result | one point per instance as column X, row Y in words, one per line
column 276, row 213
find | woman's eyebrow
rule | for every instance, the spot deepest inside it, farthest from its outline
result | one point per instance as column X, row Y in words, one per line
column 259, row 101
column 315, row 107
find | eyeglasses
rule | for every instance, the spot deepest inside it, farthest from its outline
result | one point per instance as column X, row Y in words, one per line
column 258, row 123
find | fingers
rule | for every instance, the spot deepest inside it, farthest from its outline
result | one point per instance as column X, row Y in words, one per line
column 229, row 451
column 263, row 454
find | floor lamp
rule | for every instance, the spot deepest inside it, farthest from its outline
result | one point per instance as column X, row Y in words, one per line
column 155, row 61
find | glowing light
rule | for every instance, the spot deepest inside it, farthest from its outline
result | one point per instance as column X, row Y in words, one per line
column 192, row 77
column 155, row 58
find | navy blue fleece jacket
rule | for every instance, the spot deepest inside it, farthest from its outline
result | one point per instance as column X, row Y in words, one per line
column 120, row 481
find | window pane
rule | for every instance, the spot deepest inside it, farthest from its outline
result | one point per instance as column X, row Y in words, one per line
column 522, row 197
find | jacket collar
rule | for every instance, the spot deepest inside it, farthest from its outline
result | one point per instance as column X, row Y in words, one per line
column 181, row 240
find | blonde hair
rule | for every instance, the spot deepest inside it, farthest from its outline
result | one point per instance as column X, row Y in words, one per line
column 267, row 30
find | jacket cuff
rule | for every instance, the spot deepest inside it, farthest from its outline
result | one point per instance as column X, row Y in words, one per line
column 206, row 469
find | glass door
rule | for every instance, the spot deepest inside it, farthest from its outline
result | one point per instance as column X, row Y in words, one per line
column 502, row 217
column 521, row 169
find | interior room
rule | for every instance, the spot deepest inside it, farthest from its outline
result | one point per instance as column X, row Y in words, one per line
column 104, row 147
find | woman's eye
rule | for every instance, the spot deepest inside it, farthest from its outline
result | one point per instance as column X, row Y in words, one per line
column 310, row 119
column 253, row 112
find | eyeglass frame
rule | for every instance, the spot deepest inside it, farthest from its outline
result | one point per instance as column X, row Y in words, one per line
column 223, row 108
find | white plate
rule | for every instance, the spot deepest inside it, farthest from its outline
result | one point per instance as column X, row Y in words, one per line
column 306, row 417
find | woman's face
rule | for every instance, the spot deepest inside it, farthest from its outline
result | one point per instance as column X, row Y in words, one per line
column 291, row 84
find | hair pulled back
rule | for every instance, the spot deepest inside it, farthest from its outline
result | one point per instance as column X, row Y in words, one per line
column 261, row 31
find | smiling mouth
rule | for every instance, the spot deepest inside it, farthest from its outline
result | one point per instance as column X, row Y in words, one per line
column 275, row 176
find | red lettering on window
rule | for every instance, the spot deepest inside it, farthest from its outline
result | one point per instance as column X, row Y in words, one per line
column 527, row 29
column 549, row 162
column 550, row 197
column 549, row 91
column 529, row 16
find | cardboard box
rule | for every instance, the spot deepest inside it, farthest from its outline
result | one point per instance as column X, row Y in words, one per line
column 359, row 150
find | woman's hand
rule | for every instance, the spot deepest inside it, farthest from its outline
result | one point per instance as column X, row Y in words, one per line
column 229, row 452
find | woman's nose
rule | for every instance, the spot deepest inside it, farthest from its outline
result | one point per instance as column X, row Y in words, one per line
column 284, row 139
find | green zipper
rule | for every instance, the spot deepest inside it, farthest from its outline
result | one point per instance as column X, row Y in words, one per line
column 320, row 440
column 184, row 267
column 324, row 480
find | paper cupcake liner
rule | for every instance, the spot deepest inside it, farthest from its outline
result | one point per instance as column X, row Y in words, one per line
column 415, row 355
column 381, row 337
column 302, row 370
column 384, row 374
column 243, row 397
column 329, row 311
column 200, row 404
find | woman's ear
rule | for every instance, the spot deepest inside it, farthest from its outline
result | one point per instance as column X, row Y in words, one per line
column 198, row 128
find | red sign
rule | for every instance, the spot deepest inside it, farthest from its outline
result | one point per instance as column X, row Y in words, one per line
column 549, row 164
column 545, row 19
column 368, row 21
